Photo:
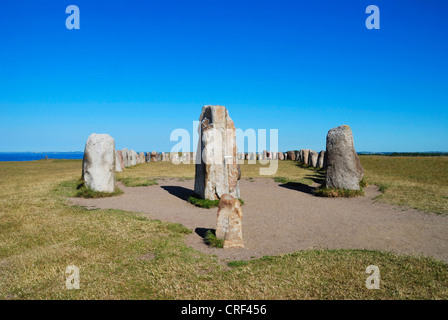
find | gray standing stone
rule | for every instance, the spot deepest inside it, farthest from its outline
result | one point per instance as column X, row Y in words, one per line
column 132, row 157
column 343, row 168
column 117, row 162
column 313, row 158
column 281, row 156
column 98, row 165
column 148, row 157
column 320, row 159
column 141, row 157
column 218, row 172
column 125, row 154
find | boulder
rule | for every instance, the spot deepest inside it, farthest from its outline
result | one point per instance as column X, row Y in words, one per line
column 98, row 165
column 343, row 168
column 312, row 159
column 281, row 156
column 218, row 171
column 117, row 162
column 229, row 224
column 320, row 159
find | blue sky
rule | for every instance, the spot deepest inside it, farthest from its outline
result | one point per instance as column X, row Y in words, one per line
column 140, row 69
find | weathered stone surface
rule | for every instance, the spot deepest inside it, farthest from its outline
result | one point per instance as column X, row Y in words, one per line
column 286, row 155
column 117, row 162
column 154, row 156
column 218, row 172
column 229, row 224
column 98, row 165
column 148, row 157
column 281, row 156
column 125, row 153
column 165, row 156
column 306, row 155
column 343, row 168
column 120, row 157
column 132, row 157
column 159, row 157
column 141, row 157
column 320, row 159
column 312, row 159
column 291, row 155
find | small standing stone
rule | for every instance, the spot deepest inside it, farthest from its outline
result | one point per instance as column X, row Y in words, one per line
column 229, row 224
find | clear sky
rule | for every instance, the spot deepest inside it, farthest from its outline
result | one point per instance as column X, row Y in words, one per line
column 140, row 69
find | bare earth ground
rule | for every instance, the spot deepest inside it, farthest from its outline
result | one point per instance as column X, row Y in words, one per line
column 281, row 219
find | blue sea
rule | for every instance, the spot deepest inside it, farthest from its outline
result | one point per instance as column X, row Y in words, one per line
column 31, row 156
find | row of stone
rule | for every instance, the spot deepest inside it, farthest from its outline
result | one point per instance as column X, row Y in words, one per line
column 306, row 156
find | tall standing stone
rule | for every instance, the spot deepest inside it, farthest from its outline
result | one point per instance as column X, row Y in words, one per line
column 306, row 155
column 281, row 156
column 117, row 162
column 132, row 157
column 125, row 153
column 229, row 224
column 343, row 168
column 98, row 165
column 312, row 159
column 120, row 157
column 217, row 171
column 320, row 159
column 141, row 157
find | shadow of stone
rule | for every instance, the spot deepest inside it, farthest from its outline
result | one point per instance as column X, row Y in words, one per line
column 298, row 187
column 180, row 192
column 203, row 231
column 317, row 178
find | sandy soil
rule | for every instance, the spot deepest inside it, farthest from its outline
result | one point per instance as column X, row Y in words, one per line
column 283, row 218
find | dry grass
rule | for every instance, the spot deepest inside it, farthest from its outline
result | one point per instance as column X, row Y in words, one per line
column 40, row 235
column 417, row 182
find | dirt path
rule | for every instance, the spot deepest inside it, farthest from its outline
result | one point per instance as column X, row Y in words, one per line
column 279, row 218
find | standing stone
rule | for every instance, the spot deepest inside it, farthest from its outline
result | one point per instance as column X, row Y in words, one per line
column 132, row 157
column 148, row 157
column 218, row 171
column 125, row 154
column 306, row 155
column 154, row 156
column 320, row 159
column 313, row 158
column 165, row 156
column 291, row 155
column 117, row 162
column 98, row 165
column 281, row 156
column 142, row 157
column 159, row 157
column 343, row 168
column 120, row 157
column 229, row 224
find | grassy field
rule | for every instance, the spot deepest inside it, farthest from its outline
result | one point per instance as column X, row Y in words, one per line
column 417, row 182
column 122, row 255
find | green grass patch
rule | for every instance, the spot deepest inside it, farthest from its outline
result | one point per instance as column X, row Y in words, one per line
column 211, row 240
column 237, row 263
column 138, row 182
column 85, row 192
column 205, row 203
